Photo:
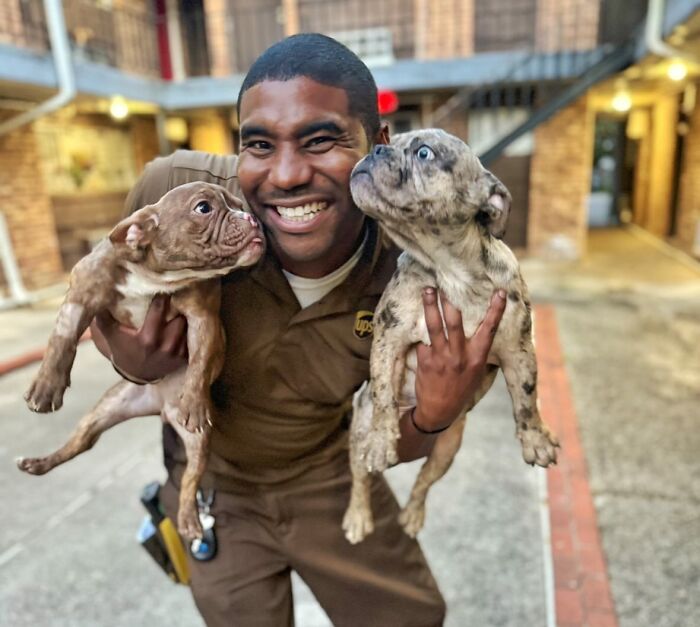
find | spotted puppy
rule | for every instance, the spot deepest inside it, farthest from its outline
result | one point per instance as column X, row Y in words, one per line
column 180, row 246
column 436, row 201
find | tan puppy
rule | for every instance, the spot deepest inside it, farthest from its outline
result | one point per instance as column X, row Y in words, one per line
column 435, row 200
column 180, row 246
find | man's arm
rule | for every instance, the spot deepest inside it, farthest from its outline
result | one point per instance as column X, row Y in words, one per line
column 449, row 372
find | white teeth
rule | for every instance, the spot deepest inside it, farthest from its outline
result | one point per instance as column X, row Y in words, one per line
column 303, row 213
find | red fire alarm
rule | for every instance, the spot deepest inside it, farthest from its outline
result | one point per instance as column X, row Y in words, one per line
column 387, row 101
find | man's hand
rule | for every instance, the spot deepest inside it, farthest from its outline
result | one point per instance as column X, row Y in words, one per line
column 149, row 353
column 451, row 369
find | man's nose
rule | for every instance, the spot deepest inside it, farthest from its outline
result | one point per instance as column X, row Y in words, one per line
column 289, row 170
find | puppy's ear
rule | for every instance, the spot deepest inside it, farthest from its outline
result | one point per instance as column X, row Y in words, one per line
column 496, row 211
column 137, row 231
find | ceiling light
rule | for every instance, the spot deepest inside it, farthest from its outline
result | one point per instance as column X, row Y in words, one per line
column 118, row 108
column 677, row 70
column 622, row 101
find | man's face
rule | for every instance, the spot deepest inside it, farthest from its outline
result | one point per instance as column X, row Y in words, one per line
column 299, row 144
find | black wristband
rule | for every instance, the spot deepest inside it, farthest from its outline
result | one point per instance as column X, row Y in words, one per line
column 417, row 428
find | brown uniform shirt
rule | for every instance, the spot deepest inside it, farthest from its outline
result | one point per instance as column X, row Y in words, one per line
column 289, row 373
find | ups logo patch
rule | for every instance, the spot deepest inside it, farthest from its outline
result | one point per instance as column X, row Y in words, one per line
column 364, row 324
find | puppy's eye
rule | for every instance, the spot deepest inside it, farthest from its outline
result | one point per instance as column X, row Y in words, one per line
column 202, row 207
column 425, row 153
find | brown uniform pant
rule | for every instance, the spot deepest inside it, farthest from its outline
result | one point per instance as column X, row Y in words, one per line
column 263, row 535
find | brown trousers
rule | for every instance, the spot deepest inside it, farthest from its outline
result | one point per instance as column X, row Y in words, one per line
column 268, row 531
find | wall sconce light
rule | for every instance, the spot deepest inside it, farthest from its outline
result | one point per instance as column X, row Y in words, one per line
column 677, row 70
column 118, row 108
column 622, row 101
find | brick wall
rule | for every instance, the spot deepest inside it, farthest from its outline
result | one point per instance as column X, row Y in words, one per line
column 567, row 25
column 689, row 192
column 144, row 138
column 444, row 28
column 560, row 182
column 27, row 209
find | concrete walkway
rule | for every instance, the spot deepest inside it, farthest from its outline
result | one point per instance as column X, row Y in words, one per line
column 624, row 321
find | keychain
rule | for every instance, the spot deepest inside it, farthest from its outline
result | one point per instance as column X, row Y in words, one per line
column 204, row 548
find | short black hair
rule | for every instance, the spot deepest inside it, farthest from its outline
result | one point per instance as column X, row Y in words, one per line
column 326, row 61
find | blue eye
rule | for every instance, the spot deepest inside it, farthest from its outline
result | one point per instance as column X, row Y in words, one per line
column 425, row 153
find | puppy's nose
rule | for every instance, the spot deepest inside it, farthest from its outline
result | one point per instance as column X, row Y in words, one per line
column 379, row 149
column 244, row 215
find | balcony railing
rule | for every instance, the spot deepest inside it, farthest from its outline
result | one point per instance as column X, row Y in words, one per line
column 381, row 31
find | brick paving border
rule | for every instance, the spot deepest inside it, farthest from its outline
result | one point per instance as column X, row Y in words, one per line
column 582, row 587
column 25, row 359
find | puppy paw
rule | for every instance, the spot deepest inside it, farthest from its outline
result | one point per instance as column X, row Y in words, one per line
column 195, row 412
column 539, row 446
column 45, row 395
column 357, row 524
column 188, row 523
column 412, row 518
column 34, row 465
column 378, row 448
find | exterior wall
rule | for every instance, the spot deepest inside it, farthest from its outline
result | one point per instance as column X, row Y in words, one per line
column 221, row 53
column 560, row 182
column 567, row 25
column 135, row 37
column 211, row 134
column 689, row 193
column 444, row 28
column 27, row 209
column 145, row 141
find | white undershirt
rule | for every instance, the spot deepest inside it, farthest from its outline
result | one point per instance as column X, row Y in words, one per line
column 310, row 291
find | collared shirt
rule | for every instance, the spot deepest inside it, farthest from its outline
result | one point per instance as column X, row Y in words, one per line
column 289, row 374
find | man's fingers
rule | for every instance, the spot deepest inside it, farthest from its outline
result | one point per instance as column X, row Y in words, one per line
column 105, row 321
column 454, row 325
column 433, row 319
column 483, row 337
column 154, row 321
column 173, row 334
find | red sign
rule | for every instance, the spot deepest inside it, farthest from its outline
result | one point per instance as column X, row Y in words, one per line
column 387, row 101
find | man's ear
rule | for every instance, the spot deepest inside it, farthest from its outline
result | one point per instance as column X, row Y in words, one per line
column 136, row 231
column 382, row 136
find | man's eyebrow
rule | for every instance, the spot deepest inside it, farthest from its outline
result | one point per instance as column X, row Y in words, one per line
column 249, row 130
column 322, row 125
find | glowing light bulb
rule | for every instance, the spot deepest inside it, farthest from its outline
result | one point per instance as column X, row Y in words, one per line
column 622, row 101
column 118, row 108
column 677, row 70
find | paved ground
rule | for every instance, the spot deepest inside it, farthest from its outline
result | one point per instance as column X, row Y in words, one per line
column 630, row 329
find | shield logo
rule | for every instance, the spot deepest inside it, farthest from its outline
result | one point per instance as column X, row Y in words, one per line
column 364, row 324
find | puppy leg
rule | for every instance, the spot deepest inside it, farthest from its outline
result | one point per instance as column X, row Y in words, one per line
column 520, row 370
column 438, row 463
column 121, row 402
column 205, row 340
column 357, row 522
column 387, row 364
column 46, row 391
column 197, row 450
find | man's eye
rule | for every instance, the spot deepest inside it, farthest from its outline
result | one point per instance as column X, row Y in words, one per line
column 259, row 145
column 202, row 207
column 323, row 142
column 425, row 153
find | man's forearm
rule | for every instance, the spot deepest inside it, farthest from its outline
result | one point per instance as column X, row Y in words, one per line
column 413, row 444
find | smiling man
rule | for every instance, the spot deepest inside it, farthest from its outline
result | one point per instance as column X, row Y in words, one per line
column 298, row 330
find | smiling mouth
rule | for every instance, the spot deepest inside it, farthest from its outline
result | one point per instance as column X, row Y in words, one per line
column 301, row 213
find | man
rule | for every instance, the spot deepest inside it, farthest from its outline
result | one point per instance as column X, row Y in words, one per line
column 296, row 353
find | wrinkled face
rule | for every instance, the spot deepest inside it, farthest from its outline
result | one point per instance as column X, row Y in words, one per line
column 430, row 181
column 197, row 226
column 299, row 145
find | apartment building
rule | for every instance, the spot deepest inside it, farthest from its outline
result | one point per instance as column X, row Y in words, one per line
column 564, row 99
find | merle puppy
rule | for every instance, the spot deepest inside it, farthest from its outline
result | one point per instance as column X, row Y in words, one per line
column 436, row 201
